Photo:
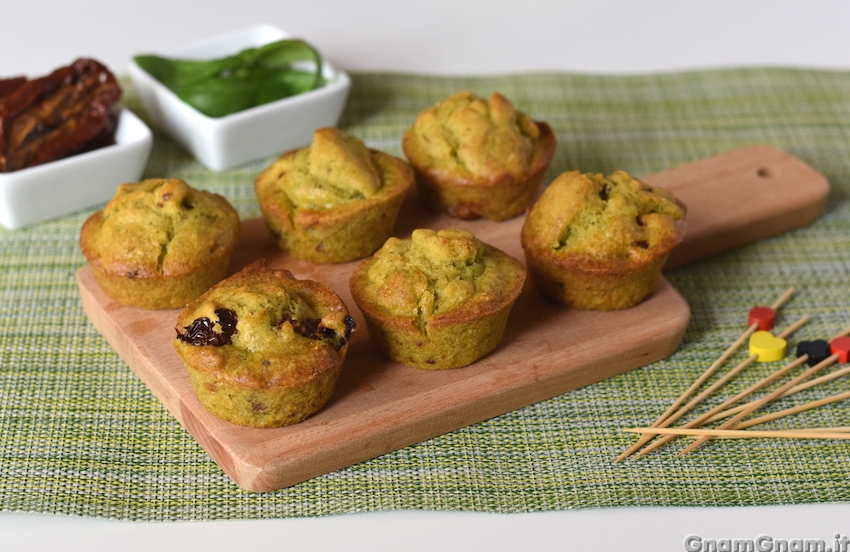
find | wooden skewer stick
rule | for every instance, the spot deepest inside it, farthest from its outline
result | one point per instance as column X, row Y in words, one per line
column 730, row 424
column 796, row 389
column 828, row 433
column 689, row 391
column 766, row 418
column 825, row 429
column 842, row 333
column 786, row 295
column 703, row 419
column 795, row 326
column 734, row 371
column 704, row 376
column 794, row 410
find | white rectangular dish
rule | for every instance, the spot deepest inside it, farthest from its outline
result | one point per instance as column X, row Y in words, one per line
column 254, row 133
column 47, row 191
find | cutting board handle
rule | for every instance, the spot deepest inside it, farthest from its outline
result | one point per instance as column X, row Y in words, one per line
column 741, row 197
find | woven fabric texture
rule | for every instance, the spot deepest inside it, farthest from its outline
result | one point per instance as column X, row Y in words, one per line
column 81, row 435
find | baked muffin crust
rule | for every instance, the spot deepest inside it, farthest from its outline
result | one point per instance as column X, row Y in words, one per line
column 437, row 300
column 596, row 242
column 263, row 348
column 160, row 243
column 478, row 158
column 333, row 201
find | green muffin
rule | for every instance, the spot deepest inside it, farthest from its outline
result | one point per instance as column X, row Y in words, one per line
column 333, row 201
column 478, row 158
column 438, row 300
column 264, row 349
column 159, row 243
column 599, row 243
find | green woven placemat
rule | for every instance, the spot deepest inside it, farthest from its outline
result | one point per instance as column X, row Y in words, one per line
column 81, row 435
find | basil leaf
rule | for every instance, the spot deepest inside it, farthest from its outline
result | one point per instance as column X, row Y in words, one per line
column 252, row 77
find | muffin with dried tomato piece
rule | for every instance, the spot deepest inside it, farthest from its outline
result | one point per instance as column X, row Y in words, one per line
column 159, row 243
column 333, row 201
column 437, row 300
column 475, row 158
column 264, row 349
column 599, row 243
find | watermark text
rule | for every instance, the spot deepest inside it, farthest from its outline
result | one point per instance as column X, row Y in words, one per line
column 767, row 543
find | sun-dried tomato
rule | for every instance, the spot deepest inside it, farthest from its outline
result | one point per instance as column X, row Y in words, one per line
column 201, row 333
column 312, row 328
column 70, row 111
column 7, row 86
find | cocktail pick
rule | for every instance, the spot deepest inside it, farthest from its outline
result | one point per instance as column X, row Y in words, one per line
column 756, row 321
column 713, row 387
column 815, row 350
column 793, row 410
column 823, row 429
column 761, row 419
column 819, row 433
column 753, row 327
column 796, row 389
column 689, row 391
column 731, row 423
column 703, row 419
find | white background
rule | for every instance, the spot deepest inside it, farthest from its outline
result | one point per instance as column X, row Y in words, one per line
column 441, row 37
column 445, row 36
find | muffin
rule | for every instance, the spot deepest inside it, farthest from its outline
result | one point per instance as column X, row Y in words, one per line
column 475, row 158
column 333, row 201
column 437, row 300
column 264, row 349
column 595, row 242
column 159, row 244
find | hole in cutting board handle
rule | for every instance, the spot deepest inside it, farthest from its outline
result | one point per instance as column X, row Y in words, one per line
column 740, row 197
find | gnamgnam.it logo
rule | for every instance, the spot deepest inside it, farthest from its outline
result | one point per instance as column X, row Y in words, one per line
column 766, row 543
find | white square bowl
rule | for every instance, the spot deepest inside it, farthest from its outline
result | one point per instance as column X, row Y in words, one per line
column 47, row 191
column 223, row 142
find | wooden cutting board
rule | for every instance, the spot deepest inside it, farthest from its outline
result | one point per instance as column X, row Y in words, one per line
column 380, row 406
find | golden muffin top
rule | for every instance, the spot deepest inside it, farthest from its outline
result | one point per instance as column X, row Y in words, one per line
column 603, row 218
column 436, row 272
column 335, row 169
column 264, row 325
column 467, row 136
column 159, row 227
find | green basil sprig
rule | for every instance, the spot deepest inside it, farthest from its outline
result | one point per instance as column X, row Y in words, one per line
column 250, row 78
